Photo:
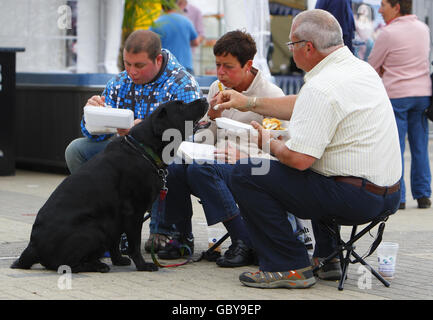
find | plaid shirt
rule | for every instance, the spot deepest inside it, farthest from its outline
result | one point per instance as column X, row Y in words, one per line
column 173, row 83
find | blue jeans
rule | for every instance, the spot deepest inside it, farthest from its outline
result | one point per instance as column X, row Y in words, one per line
column 264, row 200
column 411, row 120
column 158, row 223
column 83, row 149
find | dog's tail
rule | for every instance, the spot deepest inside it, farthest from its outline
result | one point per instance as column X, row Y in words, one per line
column 27, row 259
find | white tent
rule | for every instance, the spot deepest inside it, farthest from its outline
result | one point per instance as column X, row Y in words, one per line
column 42, row 28
column 99, row 28
column 252, row 16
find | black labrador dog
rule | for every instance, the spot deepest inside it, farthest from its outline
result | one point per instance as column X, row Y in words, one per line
column 87, row 213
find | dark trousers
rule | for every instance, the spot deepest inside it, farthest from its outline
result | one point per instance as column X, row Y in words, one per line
column 206, row 181
column 264, row 200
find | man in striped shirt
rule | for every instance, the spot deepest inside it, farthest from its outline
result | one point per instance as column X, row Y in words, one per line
column 342, row 158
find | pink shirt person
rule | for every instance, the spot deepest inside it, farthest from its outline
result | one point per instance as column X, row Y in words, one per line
column 401, row 57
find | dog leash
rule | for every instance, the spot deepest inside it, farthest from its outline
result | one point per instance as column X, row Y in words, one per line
column 157, row 163
column 181, row 247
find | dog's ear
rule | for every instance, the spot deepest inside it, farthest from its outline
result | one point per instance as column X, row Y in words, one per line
column 160, row 121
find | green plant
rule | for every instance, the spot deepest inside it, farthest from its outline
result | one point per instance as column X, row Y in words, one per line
column 139, row 14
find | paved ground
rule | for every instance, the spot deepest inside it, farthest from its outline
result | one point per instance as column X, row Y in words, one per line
column 22, row 195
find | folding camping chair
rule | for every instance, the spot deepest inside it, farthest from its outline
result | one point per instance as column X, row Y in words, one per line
column 349, row 246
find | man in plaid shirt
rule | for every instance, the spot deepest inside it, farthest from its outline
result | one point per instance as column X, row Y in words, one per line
column 152, row 76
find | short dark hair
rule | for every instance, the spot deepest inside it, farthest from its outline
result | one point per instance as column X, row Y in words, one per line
column 238, row 43
column 405, row 6
column 144, row 41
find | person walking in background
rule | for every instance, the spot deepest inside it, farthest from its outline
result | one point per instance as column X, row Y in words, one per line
column 177, row 34
column 194, row 14
column 364, row 31
column 401, row 57
column 342, row 11
column 196, row 17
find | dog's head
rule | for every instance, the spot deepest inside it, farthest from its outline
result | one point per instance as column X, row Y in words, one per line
column 175, row 114
column 170, row 115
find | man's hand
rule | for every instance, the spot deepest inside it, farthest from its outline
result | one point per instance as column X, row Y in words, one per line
column 278, row 148
column 264, row 137
column 124, row 132
column 97, row 101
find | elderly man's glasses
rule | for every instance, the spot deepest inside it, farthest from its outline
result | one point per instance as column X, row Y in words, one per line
column 291, row 45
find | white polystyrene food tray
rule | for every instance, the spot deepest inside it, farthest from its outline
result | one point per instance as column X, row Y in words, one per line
column 195, row 151
column 226, row 123
column 100, row 130
column 98, row 117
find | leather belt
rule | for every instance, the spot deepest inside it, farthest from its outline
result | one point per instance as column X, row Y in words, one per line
column 371, row 187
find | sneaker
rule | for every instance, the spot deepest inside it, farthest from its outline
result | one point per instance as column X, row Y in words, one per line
column 238, row 255
column 402, row 206
column 331, row 271
column 300, row 278
column 424, row 203
column 159, row 242
column 177, row 248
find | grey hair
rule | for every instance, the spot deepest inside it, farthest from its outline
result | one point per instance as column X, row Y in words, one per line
column 320, row 27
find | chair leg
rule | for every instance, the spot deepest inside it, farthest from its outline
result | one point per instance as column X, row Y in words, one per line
column 345, row 265
column 349, row 247
column 374, row 272
column 218, row 243
column 206, row 254
column 344, row 269
column 327, row 260
column 146, row 217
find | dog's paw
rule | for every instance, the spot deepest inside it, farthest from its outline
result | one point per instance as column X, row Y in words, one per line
column 147, row 267
column 16, row 265
column 102, row 267
column 122, row 261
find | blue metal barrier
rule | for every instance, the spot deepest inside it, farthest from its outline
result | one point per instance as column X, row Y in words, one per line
column 289, row 84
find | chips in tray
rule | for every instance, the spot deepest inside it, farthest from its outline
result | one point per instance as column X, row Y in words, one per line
column 272, row 124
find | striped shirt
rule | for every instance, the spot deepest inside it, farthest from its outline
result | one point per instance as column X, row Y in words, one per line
column 172, row 83
column 343, row 117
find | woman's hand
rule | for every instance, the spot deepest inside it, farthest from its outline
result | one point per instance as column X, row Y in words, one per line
column 212, row 113
column 229, row 154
